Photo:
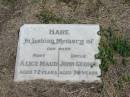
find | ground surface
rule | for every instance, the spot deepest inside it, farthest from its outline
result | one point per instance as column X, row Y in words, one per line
column 108, row 13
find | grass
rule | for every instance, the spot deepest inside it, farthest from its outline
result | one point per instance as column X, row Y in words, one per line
column 126, row 78
column 112, row 43
column 124, row 61
column 48, row 17
column 8, row 2
column 106, row 52
column 121, row 46
column 75, row 2
column 65, row 1
column 127, row 1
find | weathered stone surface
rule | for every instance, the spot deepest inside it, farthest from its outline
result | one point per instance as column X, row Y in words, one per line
column 58, row 52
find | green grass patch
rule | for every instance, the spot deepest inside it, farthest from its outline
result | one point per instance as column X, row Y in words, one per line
column 106, row 52
column 48, row 17
column 121, row 46
column 112, row 43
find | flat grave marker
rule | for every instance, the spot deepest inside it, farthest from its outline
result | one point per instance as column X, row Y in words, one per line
column 60, row 52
